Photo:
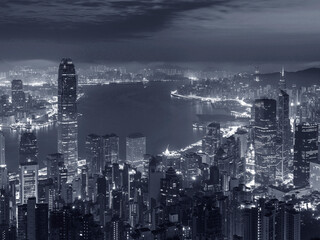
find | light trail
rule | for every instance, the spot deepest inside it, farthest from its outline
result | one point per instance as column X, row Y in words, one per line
column 210, row 99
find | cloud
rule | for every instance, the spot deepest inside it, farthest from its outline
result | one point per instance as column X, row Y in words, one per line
column 160, row 30
column 97, row 19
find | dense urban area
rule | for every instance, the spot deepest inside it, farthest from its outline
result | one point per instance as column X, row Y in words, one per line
column 254, row 176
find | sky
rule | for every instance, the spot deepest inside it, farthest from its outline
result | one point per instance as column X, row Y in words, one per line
column 234, row 32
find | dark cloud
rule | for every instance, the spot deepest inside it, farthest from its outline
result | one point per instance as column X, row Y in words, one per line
column 96, row 20
column 160, row 30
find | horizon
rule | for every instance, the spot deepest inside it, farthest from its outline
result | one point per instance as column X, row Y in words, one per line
column 200, row 66
column 223, row 32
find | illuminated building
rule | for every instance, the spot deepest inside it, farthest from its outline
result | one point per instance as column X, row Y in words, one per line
column 110, row 149
column 22, row 222
column 284, row 131
column 265, row 135
column 135, row 150
column 3, row 177
column 17, row 95
column 29, row 181
column 305, row 150
column 4, row 208
column 315, row 176
column 28, row 148
column 242, row 136
column 170, row 187
column 67, row 115
column 55, row 166
column 116, row 230
column 4, row 105
column 2, row 150
column 282, row 82
column 3, row 166
column 191, row 168
column 94, row 154
column 212, row 140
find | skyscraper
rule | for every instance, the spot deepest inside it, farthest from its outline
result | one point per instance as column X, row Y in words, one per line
column 3, row 166
column 2, row 150
column 212, row 140
column 265, row 136
column 28, row 181
column 282, row 82
column 284, row 134
column 135, row 150
column 28, row 150
column 94, row 153
column 305, row 150
column 110, row 145
column 17, row 95
column 67, row 115
column 55, row 163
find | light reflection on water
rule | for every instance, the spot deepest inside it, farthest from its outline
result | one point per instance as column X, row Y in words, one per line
column 124, row 109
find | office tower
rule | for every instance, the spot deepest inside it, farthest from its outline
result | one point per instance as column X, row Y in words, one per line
column 305, row 151
column 116, row 176
column 282, row 82
column 4, row 105
column 191, row 168
column 94, row 154
column 22, row 222
column 42, row 223
column 256, row 74
column 2, row 150
column 55, row 165
column 206, row 220
column 314, row 178
column 170, row 187
column 28, row 148
column 242, row 136
column 68, row 116
column 265, row 136
column 28, row 181
column 110, row 149
column 60, row 224
column 101, row 198
column 154, row 178
column 284, row 131
column 31, row 218
column 294, row 101
column 17, row 95
column 212, row 140
column 4, row 208
column 3, row 166
column 135, row 150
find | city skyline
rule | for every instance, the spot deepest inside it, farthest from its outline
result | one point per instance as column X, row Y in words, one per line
column 159, row 120
column 244, row 167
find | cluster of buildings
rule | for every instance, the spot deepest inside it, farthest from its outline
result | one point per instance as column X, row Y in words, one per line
column 230, row 188
column 19, row 109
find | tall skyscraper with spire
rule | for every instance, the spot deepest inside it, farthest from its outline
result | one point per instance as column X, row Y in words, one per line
column 282, row 82
column 67, row 115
